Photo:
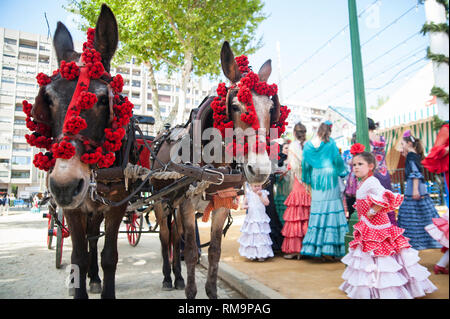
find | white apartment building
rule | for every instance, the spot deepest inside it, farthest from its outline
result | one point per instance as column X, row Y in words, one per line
column 311, row 117
column 22, row 56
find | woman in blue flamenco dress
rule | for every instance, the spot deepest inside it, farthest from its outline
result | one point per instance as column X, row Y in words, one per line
column 417, row 209
column 322, row 165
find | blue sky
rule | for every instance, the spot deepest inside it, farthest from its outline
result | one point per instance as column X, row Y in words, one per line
column 312, row 71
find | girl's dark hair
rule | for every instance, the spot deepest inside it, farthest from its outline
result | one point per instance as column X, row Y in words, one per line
column 368, row 157
column 417, row 145
column 324, row 132
column 372, row 125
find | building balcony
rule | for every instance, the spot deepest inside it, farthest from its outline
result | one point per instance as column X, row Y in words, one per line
column 20, row 180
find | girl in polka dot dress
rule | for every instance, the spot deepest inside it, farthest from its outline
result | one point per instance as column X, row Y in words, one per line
column 380, row 263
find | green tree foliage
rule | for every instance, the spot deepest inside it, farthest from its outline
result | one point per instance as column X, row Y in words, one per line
column 183, row 36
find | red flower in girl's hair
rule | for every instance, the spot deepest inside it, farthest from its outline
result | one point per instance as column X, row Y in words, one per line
column 357, row 148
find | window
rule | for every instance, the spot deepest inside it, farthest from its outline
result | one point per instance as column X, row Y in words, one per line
column 9, row 68
column 149, row 96
column 19, row 122
column 164, row 98
column 21, row 160
column 164, row 87
column 149, row 107
column 10, row 41
column 137, row 106
column 4, row 161
column 4, row 147
column 7, row 80
column 4, row 119
column 135, row 95
column 4, row 174
column 136, row 83
column 21, row 147
column 20, row 174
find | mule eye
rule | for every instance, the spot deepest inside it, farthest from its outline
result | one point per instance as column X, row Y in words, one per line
column 103, row 100
column 235, row 108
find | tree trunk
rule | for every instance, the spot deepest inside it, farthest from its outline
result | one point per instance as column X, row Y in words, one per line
column 155, row 99
column 185, row 77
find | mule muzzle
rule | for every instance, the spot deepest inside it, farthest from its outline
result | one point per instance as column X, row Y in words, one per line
column 70, row 194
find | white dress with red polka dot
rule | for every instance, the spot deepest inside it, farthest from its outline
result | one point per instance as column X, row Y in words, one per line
column 380, row 263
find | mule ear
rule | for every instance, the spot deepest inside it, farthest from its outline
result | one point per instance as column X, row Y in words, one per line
column 106, row 36
column 229, row 65
column 63, row 44
column 275, row 111
column 265, row 71
column 41, row 111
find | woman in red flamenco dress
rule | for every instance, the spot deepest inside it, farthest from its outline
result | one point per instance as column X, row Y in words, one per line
column 381, row 264
column 298, row 203
column 437, row 160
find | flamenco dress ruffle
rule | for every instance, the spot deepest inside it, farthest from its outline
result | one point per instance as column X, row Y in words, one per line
column 327, row 224
column 255, row 240
column 398, row 276
column 439, row 230
column 296, row 218
column 381, row 263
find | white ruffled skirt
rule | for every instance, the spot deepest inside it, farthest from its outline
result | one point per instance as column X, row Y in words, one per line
column 398, row 276
column 255, row 240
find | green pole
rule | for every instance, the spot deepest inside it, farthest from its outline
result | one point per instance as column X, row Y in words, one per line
column 362, row 129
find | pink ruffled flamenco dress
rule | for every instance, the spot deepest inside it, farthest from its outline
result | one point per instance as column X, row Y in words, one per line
column 296, row 217
column 381, row 263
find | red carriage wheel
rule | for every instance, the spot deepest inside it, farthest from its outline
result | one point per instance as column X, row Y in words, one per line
column 61, row 233
column 134, row 228
column 51, row 225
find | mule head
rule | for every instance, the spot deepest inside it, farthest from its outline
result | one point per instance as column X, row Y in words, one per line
column 68, row 181
column 257, row 164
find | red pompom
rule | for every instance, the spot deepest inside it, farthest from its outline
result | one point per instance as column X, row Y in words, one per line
column 117, row 83
column 69, row 71
column 63, row 149
column 106, row 160
column 222, row 89
column 86, row 100
column 96, row 70
column 43, row 79
column 26, row 107
column 74, row 125
column 44, row 161
column 90, row 56
column 92, row 158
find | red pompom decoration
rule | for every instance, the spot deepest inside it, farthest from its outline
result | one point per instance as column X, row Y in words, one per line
column 92, row 158
column 96, row 70
column 43, row 79
column 26, row 107
column 117, row 83
column 90, row 56
column 69, row 71
column 106, row 160
column 86, row 100
column 63, row 149
column 357, row 148
column 44, row 161
column 74, row 125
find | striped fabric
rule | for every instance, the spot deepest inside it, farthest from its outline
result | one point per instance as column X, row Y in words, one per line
column 423, row 129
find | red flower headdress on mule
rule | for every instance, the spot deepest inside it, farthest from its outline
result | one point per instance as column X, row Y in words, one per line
column 250, row 81
column 89, row 68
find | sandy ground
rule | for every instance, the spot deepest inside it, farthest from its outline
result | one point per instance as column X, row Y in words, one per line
column 27, row 267
column 308, row 278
